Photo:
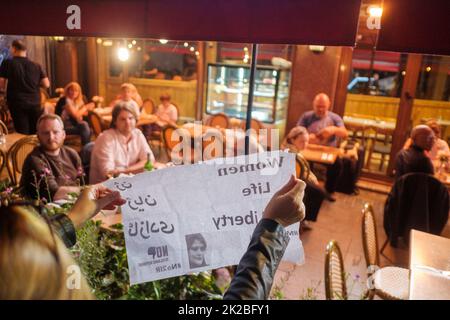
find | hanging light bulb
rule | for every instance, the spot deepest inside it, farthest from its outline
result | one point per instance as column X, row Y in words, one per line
column 186, row 44
column 133, row 42
column 123, row 54
column 192, row 49
column 163, row 41
column 130, row 46
column 197, row 53
column 99, row 40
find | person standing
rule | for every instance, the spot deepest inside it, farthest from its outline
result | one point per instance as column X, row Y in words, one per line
column 24, row 79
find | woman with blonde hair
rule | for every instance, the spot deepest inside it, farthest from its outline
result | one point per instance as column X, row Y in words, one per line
column 34, row 261
column 73, row 109
column 129, row 94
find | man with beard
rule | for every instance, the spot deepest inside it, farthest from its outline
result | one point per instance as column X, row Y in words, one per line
column 51, row 169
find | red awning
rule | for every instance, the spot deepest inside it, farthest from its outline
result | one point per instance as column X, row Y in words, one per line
column 325, row 22
column 415, row 26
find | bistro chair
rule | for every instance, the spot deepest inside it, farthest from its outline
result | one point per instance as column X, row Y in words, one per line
column 254, row 124
column 2, row 160
column 151, row 132
column 381, row 144
column 219, row 120
column 96, row 123
column 335, row 287
column 3, row 128
column 389, row 282
column 169, row 142
column 302, row 168
column 16, row 156
column 357, row 133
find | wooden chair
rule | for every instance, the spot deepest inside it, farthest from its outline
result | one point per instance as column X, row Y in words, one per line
column 357, row 133
column 381, row 144
column 302, row 168
column 3, row 128
column 389, row 282
column 254, row 124
column 17, row 155
column 335, row 286
column 169, row 142
column 219, row 120
column 96, row 123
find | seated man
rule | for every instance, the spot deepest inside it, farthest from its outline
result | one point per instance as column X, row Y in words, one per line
column 51, row 170
column 414, row 159
column 120, row 149
column 325, row 127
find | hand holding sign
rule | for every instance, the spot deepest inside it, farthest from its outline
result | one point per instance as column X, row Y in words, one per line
column 286, row 206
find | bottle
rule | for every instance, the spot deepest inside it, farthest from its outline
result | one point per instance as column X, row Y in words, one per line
column 148, row 165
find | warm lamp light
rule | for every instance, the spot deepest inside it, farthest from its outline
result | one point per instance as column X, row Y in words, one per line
column 123, row 54
column 163, row 41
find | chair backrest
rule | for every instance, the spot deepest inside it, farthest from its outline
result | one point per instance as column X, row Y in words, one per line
column 383, row 134
column 169, row 142
column 148, row 106
column 254, row 124
column 335, row 287
column 302, row 168
column 3, row 128
column 370, row 238
column 416, row 201
column 17, row 155
column 96, row 123
column 219, row 120
column 357, row 133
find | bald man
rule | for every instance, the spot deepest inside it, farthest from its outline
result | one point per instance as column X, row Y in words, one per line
column 414, row 158
column 324, row 128
column 323, row 125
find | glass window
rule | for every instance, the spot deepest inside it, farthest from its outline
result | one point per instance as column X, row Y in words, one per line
column 154, row 59
column 434, row 79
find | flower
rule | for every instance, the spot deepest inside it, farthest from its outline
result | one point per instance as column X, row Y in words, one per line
column 46, row 171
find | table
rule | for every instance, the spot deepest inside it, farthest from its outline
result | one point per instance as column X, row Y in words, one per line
column 390, row 125
column 321, row 154
column 428, row 250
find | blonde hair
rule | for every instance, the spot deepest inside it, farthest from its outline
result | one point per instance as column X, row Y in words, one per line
column 293, row 134
column 34, row 263
column 79, row 100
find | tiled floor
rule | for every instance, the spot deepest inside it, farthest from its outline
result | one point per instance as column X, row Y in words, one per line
column 340, row 221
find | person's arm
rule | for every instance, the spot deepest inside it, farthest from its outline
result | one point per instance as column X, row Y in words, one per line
column 103, row 155
column 89, row 203
column 63, row 192
column 3, row 76
column 255, row 272
column 73, row 111
column 407, row 144
column 45, row 83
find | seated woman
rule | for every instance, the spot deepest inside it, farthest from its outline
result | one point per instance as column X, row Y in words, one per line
column 440, row 146
column 72, row 108
column 120, row 149
column 296, row 141
column 129, row 94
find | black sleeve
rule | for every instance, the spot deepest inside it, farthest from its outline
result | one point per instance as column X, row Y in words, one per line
column 4, row 69
column 42, row 73
column 255, row 272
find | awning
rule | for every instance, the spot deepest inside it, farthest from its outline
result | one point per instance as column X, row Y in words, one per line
column 415, row 26
column 324, row 22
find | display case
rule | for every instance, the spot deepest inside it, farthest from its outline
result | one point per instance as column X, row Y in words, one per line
column 227, row 91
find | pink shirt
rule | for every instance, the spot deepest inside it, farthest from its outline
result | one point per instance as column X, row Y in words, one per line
column 167, row 114
column 111, row 152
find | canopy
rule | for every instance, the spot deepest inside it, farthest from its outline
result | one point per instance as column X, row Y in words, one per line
column 325, row 22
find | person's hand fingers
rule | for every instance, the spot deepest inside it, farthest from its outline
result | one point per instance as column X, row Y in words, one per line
column 288, row 186
column 297, row 189
column 110, row 200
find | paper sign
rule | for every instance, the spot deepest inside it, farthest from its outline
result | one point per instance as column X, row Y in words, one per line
column 192, row 218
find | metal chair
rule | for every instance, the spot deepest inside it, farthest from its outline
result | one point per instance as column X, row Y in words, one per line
column 16, row 156
column 335, row 286
column 389, row 282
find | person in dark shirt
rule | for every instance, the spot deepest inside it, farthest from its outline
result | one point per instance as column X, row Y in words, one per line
column 149, row 69
column 24, row 78
column 51, row 169
column 414, row 158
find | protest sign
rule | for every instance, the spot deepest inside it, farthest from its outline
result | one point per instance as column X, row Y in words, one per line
column 199, row 217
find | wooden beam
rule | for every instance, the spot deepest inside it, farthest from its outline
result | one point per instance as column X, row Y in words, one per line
column 345, row 68
column 200, row 80
column 403, row 126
